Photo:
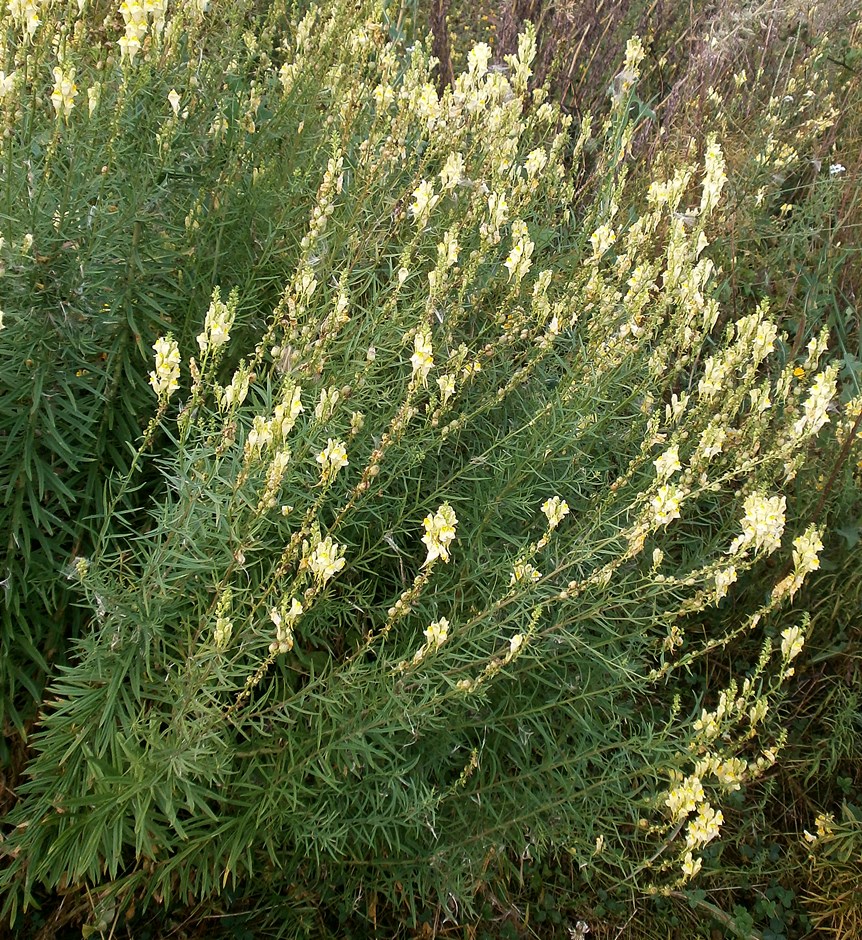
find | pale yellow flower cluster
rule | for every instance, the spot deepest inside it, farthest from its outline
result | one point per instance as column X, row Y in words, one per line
column 712, row 440
column 825, row 825
column 7, row 84
column 723, row 579
column 520, row 257
column 422, row 359
column 666, row 503
column 331, row 459
column 602, row 239
column 536, row 161
column 424, row 201
column 25, row 14
column 816, row 406
column 439, row 533
column 448, row 250
column 165, row 379
column 762, row 525
column 326, row 560
column 235, row 393
column 446, row 383
column 705, row 827
column 792, row 641
column 437, row 632
column 136, row 22
column 668, row 463
column 259, row 437
column 715, row 373
column 286, row 412
column 524, row 573
column 327, row 403
column 224, row 623
column 691, row 865
column 65, row 91
column 217, row 324
column 806, row 552
column 555, row 510
column 498, row 216
column 284, row 619
column 683, row 799
column 274, row 476
column 715, row 176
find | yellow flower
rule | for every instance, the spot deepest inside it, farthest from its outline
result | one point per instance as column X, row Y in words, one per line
column 65, row 91
column 666, row 503
column 704, row 827
column 422, row 359
column 691, row 865
column 164, row 379
column 437, row 632
column 555, row 509
column 439, row 533
column 327, row 560
column 331, row 459
column 217, row 325
column 668, row 463
column 130, row 46
column 683, row 799
column 424, row 201
column 792, row 641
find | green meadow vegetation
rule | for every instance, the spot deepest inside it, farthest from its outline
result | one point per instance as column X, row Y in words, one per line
column 431, row 489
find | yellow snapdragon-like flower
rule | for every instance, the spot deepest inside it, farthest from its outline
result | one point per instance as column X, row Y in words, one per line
column 723, row 579
column 424, row 201
column 520, row 257
column 65, row 91
column 668, row 463
column 453, row 170
column 259, row 437
column 555, row 510
column 524, row 573
column 666, row 504
column 7, row 84
column 825, row 825
column 284, row 619
column 762, row 525
column 602, row 239
column 422, row 359
column 26, row 14
column 326, row 560
column 165, row 378
column 792, row 641
column 217, row 324
column 331, row 459
column 439, row 533
column 705, row 827
column 806, row 550
column 815, row 409
column 437, row 632
column 691, row 865
column 714, row 177
column 684, row 799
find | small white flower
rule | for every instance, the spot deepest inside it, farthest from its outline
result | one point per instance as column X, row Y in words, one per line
column 437, row 632
column 555, row 509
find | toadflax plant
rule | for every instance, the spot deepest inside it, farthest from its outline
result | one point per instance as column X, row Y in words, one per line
column 425, row 567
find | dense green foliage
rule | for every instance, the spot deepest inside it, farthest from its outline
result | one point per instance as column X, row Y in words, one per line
column 462, row 525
